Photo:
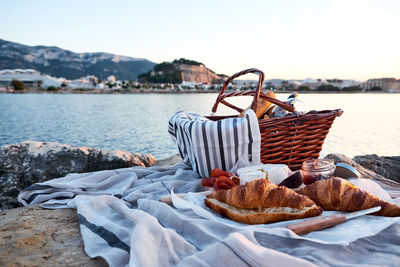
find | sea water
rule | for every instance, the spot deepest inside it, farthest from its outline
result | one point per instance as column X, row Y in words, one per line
column 370, row 123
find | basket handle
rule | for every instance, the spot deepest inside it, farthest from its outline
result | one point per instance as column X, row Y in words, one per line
column 257, row 93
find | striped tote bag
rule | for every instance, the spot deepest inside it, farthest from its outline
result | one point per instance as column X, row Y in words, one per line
column 205, row 144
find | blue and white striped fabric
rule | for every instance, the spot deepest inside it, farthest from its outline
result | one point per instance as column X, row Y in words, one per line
column 207, row 144
column 122, row 221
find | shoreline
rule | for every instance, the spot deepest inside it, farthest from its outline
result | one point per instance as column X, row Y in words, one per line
column 163, row 91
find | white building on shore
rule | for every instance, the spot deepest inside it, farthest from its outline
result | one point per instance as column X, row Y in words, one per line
column 34, row 79
column 390, row 85
column 29, row 77
column 88, row 82
column 313, row 84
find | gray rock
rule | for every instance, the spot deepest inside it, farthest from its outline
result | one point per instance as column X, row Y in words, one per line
column 31, row 162
column 388, row 167
column 365, row 173
column 390, row 185
column 172, row 160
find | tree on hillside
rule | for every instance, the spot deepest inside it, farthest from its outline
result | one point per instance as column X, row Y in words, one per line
column 186, row 61
column 39, row 83
column 17, row 84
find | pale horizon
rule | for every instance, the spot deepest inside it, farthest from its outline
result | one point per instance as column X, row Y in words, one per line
column 355, row 39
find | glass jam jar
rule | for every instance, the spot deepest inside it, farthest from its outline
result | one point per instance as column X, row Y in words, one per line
column 317, row 169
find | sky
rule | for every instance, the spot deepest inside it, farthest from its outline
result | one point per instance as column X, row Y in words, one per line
column 288, row 39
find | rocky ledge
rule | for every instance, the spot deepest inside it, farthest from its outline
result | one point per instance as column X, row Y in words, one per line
column 33, row 236
column 388, row 167
column 31, row 162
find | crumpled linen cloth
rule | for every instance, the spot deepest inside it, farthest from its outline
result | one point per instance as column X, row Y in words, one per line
column 122, row 221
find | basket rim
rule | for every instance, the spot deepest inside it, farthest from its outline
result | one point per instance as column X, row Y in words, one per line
column 312, row 114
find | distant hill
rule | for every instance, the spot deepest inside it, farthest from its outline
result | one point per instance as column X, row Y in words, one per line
column 63, row 63
column 181, row 70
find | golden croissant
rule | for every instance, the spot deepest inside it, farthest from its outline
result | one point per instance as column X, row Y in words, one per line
column 339, row 194
column 260, row 201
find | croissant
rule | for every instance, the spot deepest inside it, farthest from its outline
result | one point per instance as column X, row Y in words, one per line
column 339, row 194
column 260, row 201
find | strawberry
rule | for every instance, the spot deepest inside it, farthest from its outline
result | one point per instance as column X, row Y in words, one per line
column 235, row 180
column 218, row 173
column 223, row 182
column 222, row 186
column 208, row 181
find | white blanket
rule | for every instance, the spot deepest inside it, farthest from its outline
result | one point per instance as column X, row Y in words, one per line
column 122, row 221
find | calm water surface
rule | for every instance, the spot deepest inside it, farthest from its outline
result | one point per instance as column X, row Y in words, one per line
column 138, row 122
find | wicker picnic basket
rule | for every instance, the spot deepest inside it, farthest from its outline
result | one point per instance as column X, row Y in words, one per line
column 291, row 139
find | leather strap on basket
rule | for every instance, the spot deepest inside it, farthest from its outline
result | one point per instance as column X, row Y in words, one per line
column 257, row 93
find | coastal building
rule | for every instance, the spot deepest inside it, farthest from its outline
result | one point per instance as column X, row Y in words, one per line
column 342, row 83
column 30, row 78
column 386, row 84
column 239, row 85
column 34, row 79
column 288, row 85
column 194, row 85
column 273, row 83
column 111, row 79
column 294, row 84
column 393, row 87
column 87, row 82
column 313, row 84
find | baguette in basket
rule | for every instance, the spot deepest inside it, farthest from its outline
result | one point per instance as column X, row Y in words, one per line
column 262, row 107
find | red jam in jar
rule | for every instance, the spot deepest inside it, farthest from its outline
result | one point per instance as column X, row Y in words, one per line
column 317, row 169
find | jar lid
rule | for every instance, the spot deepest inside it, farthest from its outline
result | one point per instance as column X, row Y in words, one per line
column 318, row 164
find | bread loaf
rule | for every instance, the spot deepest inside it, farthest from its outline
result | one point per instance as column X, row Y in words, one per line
column 262, row 106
